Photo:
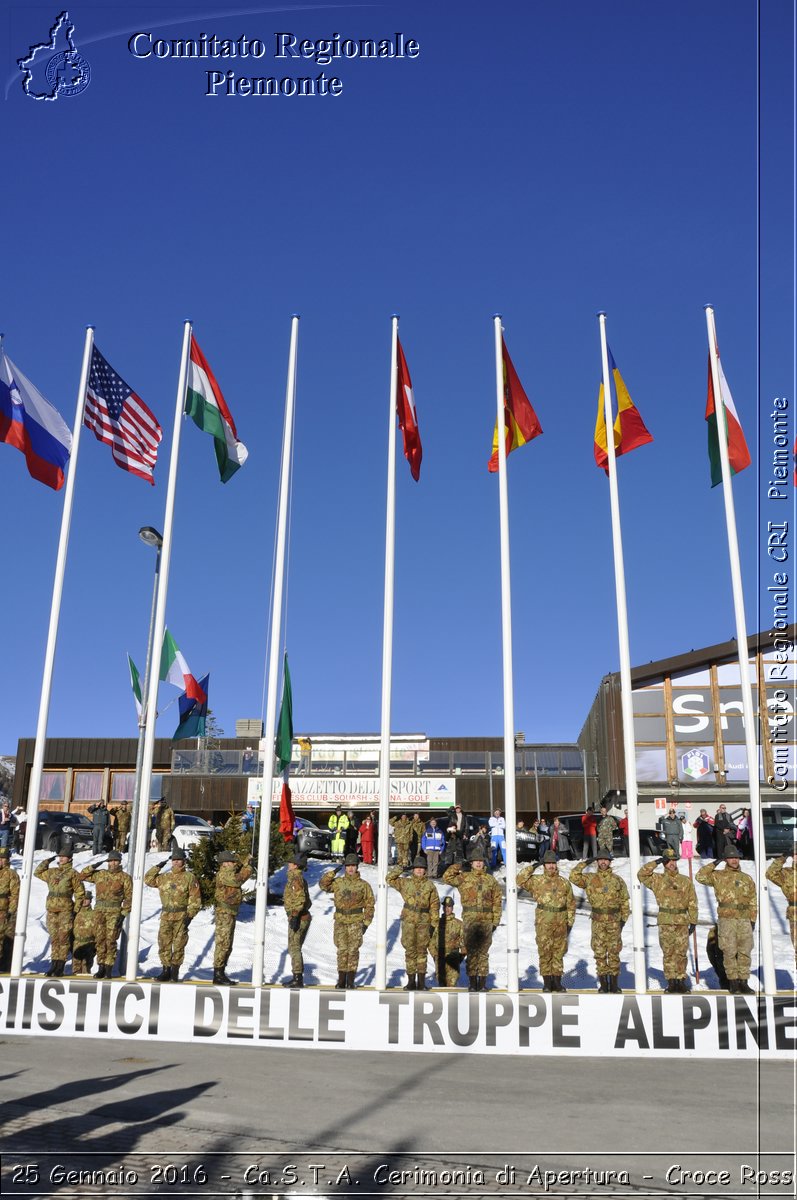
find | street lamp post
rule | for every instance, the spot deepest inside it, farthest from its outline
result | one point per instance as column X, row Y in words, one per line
column 150, row 537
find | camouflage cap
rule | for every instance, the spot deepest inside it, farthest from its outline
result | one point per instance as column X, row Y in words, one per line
column 419, row 862
column 731, row 852
column 178, row 855
column 549, row 857
column 670, row 855
column 299, row 860
column 114, row 856
column 5, row 852
column 607, row 854
column 448, row 902
column 66, row 850
column 351, row 860
column 224, row 856
column 475, row 854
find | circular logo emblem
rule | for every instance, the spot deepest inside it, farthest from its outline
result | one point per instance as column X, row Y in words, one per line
column 68, row 73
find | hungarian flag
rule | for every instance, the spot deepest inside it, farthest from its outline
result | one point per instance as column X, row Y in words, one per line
column 519, row 417
column 175, row 670
column 407, row 416
column 738, row 454
column 193, row 713
column 135, row 683
column 283, row 748
column 287, row 819
column 208, row 408
column 629, row 428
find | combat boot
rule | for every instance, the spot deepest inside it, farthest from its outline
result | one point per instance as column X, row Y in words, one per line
column 473, row 983
column 350, row 980
column 420, row 981
column 614, row 983
column 409, row 986
column 743, row 988
column 58, row 967
column 342, row 979
column 603, row 984
column 547, row 983
column 100, row 972
column 51, row 972
column 483, row 984
column 558, row 986
column 733, row 985
column 165, row 975
column 295, row 981
column 218, row 975
column 672, row 987
column 175, row 974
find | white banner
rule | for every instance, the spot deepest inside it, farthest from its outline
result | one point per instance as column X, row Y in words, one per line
column 308, row 791
column 531, row 1023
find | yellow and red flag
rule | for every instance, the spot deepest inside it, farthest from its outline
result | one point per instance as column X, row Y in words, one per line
column 520, row 419
column 629, row 428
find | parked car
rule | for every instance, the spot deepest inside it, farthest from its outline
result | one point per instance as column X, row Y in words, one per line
column 311, row 839
column 189, row 830
column 779, row 827
column 55, row 828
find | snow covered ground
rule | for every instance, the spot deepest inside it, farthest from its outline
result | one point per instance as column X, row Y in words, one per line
column 319, row 951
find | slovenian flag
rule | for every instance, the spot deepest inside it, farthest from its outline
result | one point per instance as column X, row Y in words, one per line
column 738, row 454
column 30, row 423
column 175, row 670
column 193, row 713
column 629, row 428
column 207, row 407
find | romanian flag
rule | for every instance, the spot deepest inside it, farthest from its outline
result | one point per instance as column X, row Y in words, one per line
column 407, row 416
column 520, row 418
column 738, row 454
column 629, row 428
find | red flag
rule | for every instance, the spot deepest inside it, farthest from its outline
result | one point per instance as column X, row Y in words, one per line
column 407, row 416
column 520, row 419
column 287, row 818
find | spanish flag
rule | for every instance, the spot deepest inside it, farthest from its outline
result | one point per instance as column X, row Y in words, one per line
column 629, row 428
column 520, row 418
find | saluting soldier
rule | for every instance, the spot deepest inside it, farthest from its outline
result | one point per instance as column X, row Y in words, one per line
column 84, row 945
column 786, row 879
column 608, row 898
column 9, row 899
column 419, row 918
column 121, row 825
column 402, row 832
column 481, row 913
column 556, row 912
column 114, row 889
column 447, row 945
column 230, row 878
column 354, row 912
column 418, row 828
column 737, row 909
column 296, row 901
column 65, row 893
column 677, row 916
column 181, row 900
column 606, row 828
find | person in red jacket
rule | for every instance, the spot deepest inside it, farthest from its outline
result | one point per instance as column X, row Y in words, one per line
column 367, row 832
column 623, row 824
column 589, row 823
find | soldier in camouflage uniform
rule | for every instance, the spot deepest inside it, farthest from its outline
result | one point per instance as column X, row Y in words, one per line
column 230, row 877
column 64, row 895
column 181, row 900
column 121, row 816
column 354, row 912
column 556, row 912
column 419, row 919
column 608, row 898
column 737, row 909
column 786, row 879
column 164, row 825
column 447, row 946
column 418, row 828
column 481, row 913
column 84, row 938
column 9, row 899
column 606, row 828
column 677, row 917
column 402, row 832
column 296, row 901
column 114, row 889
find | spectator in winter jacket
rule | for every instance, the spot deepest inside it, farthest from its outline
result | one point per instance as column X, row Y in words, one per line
column 497, row 826
column 337, row 824
column 672, row 830
column 724, row 832
column 589, row 824
column 433, row 843
column 704, row 828
column 100, row 825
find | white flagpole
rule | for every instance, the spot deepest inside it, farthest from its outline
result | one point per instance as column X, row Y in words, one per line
column 765, row 926
column 34, row 784
column 629, row 751
column 380, row 978
column 510, row 807
column 151, row 699
column 274, row 676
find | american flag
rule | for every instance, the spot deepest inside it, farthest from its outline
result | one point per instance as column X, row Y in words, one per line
column 121, row 419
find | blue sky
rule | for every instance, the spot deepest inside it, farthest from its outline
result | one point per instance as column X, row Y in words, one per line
column 540, row 160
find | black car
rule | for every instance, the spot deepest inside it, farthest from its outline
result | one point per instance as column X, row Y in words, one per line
column 311, row 840
column 780, row 830
column 55, row 828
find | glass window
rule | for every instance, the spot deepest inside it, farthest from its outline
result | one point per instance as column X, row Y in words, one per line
column 123, row 785
column 434, row 762
column 87, row 785
column 474, row 761
column 156, row 786
column 548, row 762
column 651, row 764
column 736, row 763
column 733, row 729
column 692, row 714
column 728, row 673
column 572, row 761
column 690, row 678
column 362, row 762
column 650, row 729
column 53, row 785
column 650, row 701
column 695, row 730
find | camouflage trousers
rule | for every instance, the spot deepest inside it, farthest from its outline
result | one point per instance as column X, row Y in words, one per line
column 296, row 941
column 551, row 931
column 607, row 941
column 736, row 944
column 83, row 958
column 403, row 853
column 8, row 921
column 348, row 938
column 107, row 927
column 59, row 927
column 605, row 842
column 674, row 942
column 416, row 929
column 477, row 930
column 172, row 938
column 791, row 913
column 225, row 933
column 120, row 838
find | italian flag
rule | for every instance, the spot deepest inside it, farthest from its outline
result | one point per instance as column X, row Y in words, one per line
column 135, row 683
column 174, row 669
column 738, row 454
column 208, row 408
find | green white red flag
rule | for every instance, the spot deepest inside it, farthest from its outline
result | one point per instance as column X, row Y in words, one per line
column 175, row 670
column 206, row 406
column 738, row 454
